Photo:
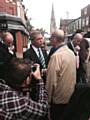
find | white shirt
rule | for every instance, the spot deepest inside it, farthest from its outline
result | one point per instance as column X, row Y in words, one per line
column 36, row 50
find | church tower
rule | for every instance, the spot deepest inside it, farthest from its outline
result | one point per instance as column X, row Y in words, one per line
column 53, row 22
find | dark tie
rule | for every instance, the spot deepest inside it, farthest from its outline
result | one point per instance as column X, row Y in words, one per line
column 41, row 58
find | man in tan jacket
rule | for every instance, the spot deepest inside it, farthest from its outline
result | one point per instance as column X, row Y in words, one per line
column 61, row 75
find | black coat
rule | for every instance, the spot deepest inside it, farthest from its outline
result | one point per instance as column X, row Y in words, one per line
column 69, row 44
column 5, row 57
column 31, row 55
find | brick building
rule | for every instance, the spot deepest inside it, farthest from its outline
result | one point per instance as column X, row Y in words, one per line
column 64, row 24
column 74, row 25
column 82, row 22
column 13, row 19
column 8, row 6
column 85, row 16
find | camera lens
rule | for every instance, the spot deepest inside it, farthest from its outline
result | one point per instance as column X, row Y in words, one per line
column 33, row 68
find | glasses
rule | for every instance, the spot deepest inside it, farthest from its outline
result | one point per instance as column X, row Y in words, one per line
column 52, row 37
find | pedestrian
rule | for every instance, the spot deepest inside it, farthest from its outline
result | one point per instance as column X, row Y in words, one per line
column 35, row 53
column 84, row 54
column 61, row 75
column 73, row 45
column 6, row 51
column 15, row 100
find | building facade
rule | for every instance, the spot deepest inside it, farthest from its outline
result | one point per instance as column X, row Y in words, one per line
column 82, row 22
column 64, row 24
column 13, row 19
column 85, row 17
column 8, row 6
column 74, row 25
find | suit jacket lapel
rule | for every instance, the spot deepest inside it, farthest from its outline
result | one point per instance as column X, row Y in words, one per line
column 45, row 55
column 34, row 55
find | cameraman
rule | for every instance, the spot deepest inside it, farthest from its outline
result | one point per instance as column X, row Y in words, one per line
column 15, row 100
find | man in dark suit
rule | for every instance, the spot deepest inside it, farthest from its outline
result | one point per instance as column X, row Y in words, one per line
column 33, row 54
column 6, row 51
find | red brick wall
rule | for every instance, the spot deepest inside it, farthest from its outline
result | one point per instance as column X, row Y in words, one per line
column 19, row 45
column 8, row 7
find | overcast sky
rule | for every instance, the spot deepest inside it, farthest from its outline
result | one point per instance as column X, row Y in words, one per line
column 40, row 11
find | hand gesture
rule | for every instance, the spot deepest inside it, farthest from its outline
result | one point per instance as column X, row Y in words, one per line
column 36, row 73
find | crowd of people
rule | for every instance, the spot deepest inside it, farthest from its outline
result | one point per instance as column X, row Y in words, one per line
column 42, row 85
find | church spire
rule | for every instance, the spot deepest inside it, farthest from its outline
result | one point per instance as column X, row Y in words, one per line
column 53, row 22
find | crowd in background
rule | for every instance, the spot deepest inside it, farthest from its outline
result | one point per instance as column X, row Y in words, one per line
column 45, row 85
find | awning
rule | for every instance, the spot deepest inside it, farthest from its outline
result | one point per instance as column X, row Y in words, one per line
column 10, row 22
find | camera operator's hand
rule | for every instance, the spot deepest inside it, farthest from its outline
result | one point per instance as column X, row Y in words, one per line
column 44, row 71
column 37, row 74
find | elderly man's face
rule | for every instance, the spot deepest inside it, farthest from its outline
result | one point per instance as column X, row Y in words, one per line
column 78, row 38
column 78, row 41
column 9, row 40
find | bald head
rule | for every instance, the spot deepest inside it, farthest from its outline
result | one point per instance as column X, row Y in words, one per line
column 7, row 38
column 58, row 34
column 57, row 37
column 78, row 36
